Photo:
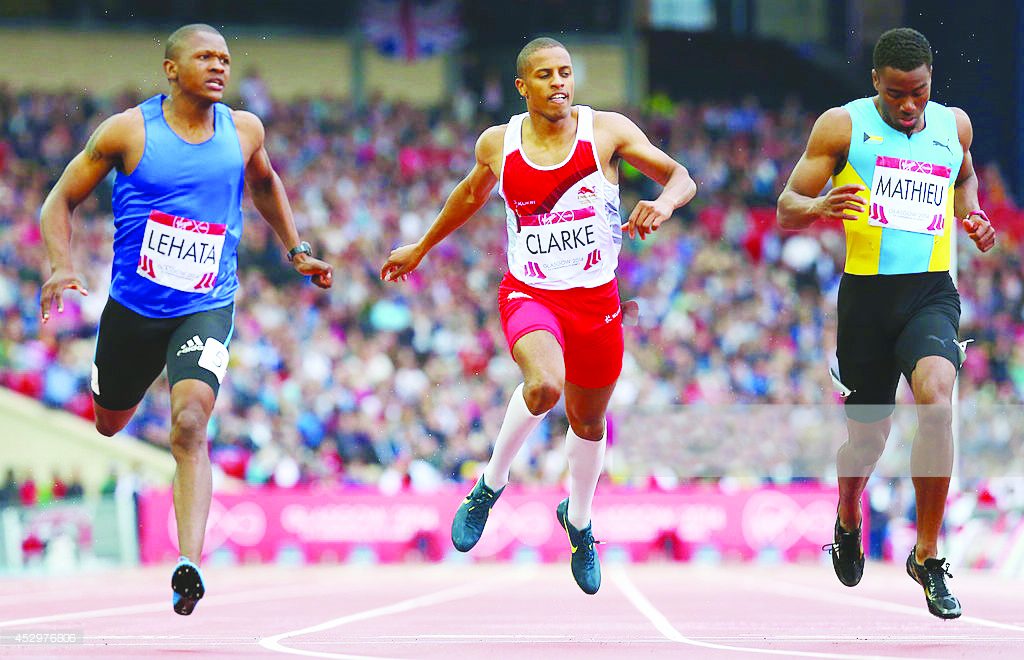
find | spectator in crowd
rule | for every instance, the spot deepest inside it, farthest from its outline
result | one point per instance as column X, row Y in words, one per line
column 9, row 490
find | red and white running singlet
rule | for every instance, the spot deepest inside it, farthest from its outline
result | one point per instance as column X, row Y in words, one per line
column 563, row 220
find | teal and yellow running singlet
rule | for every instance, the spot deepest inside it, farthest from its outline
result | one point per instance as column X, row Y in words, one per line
column 908, row 214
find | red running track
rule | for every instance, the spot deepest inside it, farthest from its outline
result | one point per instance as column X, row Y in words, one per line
column 511, row 611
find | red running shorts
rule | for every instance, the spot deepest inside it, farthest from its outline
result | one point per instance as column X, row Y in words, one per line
column 586, row 322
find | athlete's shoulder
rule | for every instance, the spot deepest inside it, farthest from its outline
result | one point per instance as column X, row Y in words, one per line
column 246, row 121
column 832, row 129
column 836, row 118
column 491, row 142
column 118, row 131
column 959, row 114
column 126, row 120
column 964, row 129
column 606, row 120
column 616, row 131
column 611, row 118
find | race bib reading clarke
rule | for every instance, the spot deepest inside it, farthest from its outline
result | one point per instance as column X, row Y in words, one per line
column 909, row 195
column 181, row 253
column 558, row 240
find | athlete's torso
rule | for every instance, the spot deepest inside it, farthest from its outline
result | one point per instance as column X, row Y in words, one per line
column 906, row 225
column 178, row 219
column 562, row 220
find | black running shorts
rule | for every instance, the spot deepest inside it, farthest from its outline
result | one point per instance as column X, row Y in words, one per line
column 886, row 324
column 131, row 351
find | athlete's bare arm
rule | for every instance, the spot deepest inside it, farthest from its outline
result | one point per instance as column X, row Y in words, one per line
column 107, row 148
column 466, row 199
column 965, row 194
column 827, row 148
column 628, row 142
column 270, row 198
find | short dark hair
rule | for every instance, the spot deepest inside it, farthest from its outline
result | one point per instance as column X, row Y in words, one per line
column 177, row 37
column 540, row 43
column 902, row 48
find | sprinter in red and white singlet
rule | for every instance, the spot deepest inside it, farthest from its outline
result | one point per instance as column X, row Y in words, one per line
column 557, row 166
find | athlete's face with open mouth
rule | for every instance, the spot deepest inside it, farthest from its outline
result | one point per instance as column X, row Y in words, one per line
column 903, row 96
column 204, row 66
column 548, row 83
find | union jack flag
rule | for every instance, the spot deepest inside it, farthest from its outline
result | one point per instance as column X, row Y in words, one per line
column 412, row 29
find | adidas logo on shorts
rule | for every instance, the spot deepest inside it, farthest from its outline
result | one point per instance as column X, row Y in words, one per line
column 194, row 344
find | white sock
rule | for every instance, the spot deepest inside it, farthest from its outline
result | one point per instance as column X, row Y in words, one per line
column 586, row 460
column 517, row 426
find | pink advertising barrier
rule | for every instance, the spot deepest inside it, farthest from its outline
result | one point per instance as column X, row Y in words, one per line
column 354, row 524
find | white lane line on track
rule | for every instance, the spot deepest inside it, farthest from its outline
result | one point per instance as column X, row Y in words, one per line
column 792, row 589
column 252, row 595
column 641, row 603
column 190, row 640
column 273, row 642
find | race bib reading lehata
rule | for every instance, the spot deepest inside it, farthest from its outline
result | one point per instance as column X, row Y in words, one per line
column 181, row 253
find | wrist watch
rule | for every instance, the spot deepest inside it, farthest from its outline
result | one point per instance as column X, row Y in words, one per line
column 301, row 248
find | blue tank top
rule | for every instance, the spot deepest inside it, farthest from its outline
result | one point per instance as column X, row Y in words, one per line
column 178, row 219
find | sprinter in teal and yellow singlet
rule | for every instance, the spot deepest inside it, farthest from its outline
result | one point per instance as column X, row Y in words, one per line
column 903, row 181
column 181, row 161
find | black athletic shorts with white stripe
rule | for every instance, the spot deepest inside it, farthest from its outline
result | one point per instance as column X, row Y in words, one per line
column 132, row 350
column 885, row 325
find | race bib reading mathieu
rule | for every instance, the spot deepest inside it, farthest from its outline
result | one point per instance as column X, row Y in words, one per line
column 181, row 253
column 909, row 195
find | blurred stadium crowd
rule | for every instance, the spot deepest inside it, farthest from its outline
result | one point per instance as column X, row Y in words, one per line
column 406, row 383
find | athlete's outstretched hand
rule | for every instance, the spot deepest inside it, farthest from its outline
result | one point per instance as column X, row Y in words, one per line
column 646, row 218
column 842, row 202
column 980, row 230
column 402, row 261
column 55, row 287
column 320, row 272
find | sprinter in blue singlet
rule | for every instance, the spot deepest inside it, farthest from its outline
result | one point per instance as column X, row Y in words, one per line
column 902, row 176
column 182, row 161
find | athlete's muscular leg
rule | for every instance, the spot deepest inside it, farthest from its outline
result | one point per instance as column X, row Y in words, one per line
column 585, row 443
column 586, row 407
column 931, row 461
column 855, row 461
column 539, row 356
column 191, row 406
column 109, row 422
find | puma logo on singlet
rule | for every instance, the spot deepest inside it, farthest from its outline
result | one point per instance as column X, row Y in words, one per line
column 944, row 145
column 192, row 345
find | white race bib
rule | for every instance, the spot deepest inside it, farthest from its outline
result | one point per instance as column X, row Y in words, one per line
column 181, row 253
column 909, row 195
column 553, row 241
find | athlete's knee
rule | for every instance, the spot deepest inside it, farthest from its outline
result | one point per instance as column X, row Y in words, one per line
column 589, row 429
column 106, row 427
column 867, row 448
column 934, row 391
column 109, row 424
column 867, row 440
column 542, row 394
column 932, row 381
column 934, row 399
column 188, row 429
